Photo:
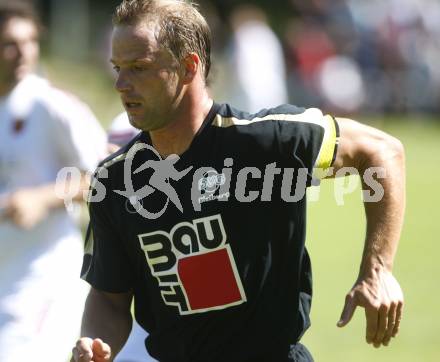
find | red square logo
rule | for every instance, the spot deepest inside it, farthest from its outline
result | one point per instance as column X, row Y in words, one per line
column 210, row 280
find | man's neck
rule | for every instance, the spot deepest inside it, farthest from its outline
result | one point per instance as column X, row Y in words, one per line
column 176, row 137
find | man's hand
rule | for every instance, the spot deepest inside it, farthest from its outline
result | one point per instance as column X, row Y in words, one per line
column 381, row 296
column 91, row 350
column 26, row 208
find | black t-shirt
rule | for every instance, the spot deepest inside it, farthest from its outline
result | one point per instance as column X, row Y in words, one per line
column 212, row 242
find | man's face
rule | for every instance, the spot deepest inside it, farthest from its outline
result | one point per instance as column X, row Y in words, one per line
column 148, row 77
column 19, row 50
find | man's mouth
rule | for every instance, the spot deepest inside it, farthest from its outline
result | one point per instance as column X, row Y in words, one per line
column 131, row 105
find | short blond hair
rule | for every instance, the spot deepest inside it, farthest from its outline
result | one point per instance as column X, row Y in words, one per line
column 181, row 27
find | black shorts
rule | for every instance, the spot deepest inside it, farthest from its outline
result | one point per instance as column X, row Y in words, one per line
column 299, row 353
column 295, row 353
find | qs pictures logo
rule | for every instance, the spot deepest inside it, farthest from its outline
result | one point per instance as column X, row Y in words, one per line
column 163, row 171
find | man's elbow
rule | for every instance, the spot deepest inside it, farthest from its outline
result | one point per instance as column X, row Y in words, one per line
column 383, row 150
column 362, row 146
column 394, row 149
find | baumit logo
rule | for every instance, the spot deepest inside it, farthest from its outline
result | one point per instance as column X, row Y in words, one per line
column 194, row 266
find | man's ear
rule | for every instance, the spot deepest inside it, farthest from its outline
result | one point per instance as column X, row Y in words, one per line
column 191, row 65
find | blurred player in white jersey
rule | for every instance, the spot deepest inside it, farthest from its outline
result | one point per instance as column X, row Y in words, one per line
column 119, row 134
column 42, row 130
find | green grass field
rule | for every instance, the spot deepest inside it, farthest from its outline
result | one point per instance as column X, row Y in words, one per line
column 335, row 239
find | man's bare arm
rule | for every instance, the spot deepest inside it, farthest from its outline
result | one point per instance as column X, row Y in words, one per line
column 26, row 207
column 106, row 324
column 376, row 289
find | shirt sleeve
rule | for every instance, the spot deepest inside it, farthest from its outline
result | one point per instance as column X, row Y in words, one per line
column 106, row 265
column 81, row 141
column 310, row 139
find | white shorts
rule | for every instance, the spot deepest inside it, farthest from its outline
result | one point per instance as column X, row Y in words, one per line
column 134, row 349
column 40, row 314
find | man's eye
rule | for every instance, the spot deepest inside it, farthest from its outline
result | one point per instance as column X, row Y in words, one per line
column 138, row 68
column 8, row 45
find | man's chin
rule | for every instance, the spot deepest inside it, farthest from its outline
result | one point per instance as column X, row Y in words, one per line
column 21, row 72
column 143, row 124
column 140, row 124
column 134, row 121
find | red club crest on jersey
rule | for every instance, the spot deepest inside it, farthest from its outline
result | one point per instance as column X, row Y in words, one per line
column 17, row 126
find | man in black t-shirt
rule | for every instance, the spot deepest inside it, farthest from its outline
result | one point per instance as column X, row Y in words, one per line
column 201, row 217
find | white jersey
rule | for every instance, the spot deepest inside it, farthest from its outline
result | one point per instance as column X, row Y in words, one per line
column 121, row 132
column 42, row 129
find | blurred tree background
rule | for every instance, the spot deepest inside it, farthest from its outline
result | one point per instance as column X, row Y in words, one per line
column 346, row 56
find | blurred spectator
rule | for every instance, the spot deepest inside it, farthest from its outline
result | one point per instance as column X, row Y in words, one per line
column 389, row 49
column 341, row 85
column 255, row 75
column 307, row 47
column 42, row 130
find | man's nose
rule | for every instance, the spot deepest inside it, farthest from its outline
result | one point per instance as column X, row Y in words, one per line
column 122, row 84
column 20, row 51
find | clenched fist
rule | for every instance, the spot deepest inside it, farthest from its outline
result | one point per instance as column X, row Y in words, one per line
column 91, row 350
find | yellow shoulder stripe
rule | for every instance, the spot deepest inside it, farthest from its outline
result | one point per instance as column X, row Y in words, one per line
column 311, row 115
